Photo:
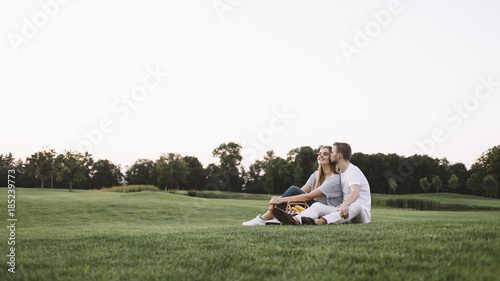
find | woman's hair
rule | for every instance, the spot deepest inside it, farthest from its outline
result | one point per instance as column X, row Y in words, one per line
column 321, row 173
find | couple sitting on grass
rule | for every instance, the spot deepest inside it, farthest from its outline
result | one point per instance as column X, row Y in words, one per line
column 324, row 192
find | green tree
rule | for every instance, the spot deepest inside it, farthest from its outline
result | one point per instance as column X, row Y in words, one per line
column 73, row 167
column 172, row 170
column 438, row 184
column 140, row 172
column 304, row 161
column 444, row 173
column 284, row 177
column 217, row 178
column 273, row 174
column 453, row 182
column 376, row 168
column 6, row 163
column 106, row 174
column 490, row 186
column 161, row 171
column 197, row 177
column 43, row 162
column 474, row 183
column 488, row 164
column 270, row 171
column 393, row 185
column 178, row 170
column 230, row 161
column 29, row 168
column 407, row 171
column 388, row 170
column 28, row 173
column 25, row 173
column 253, row 178
column 462, row 174
column 298, row 173
column 425, row 184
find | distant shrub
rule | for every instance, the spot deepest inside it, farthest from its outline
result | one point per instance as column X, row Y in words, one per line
column 130, row 188
column 221, row 194
column 412, row 203
column 379, row 202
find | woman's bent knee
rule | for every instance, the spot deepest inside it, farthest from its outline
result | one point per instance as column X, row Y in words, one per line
column 292, row 190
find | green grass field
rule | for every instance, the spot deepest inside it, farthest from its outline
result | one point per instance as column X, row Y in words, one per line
column 92, row 235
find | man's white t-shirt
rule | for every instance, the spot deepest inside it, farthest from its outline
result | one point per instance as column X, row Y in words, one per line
column 353, row 175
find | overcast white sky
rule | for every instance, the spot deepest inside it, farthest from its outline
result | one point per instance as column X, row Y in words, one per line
column 266, row 74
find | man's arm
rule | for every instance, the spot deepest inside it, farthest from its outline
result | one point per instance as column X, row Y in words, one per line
column 302, row 197
column 344, row 208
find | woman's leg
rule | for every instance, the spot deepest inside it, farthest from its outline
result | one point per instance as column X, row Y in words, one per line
column 294, row 190
column 291, row 191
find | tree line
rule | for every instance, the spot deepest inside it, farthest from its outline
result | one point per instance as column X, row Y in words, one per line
column 386, row 173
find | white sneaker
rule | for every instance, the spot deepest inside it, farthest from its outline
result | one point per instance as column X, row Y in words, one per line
column 256, row 221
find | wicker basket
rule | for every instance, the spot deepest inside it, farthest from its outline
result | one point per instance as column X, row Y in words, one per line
column 290, row 204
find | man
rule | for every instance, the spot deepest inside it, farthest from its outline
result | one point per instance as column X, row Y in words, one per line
column 356, row 191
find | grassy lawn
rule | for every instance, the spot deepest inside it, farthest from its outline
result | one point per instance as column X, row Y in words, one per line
column 92, row 235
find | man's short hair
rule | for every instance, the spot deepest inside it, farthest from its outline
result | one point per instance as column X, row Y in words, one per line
column 344, row 149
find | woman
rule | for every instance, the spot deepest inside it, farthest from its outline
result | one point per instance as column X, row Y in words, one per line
column 323, row 186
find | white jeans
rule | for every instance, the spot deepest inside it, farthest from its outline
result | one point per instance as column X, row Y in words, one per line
column 356, row 214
